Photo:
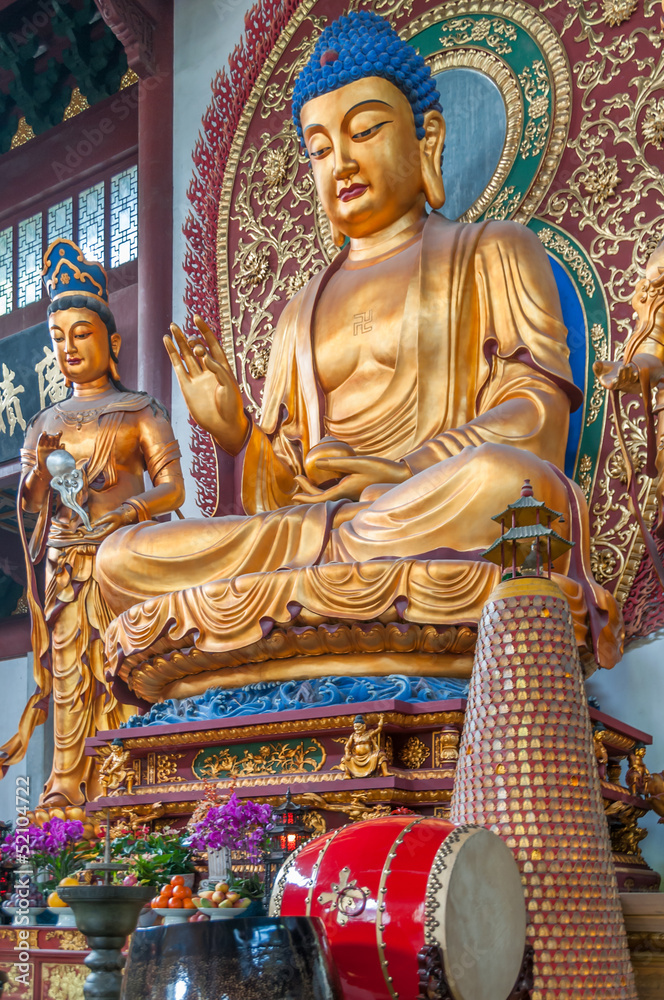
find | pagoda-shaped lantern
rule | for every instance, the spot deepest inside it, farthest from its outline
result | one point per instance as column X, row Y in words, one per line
column 527, row 540
column 287, row 833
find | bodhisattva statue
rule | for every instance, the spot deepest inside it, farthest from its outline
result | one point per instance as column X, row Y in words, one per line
column 413, row 385
column 114, row 436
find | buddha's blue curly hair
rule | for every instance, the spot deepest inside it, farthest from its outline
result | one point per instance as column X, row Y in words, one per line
column 363, row 44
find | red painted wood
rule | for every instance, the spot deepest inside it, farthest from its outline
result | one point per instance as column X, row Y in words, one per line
column 95, row 140
column 155, row 213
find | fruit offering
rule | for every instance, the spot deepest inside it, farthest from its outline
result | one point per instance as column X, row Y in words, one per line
column 222, row 897
column 34, row 898
column 175, row 895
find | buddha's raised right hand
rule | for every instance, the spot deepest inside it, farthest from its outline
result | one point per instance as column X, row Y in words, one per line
column 209, row 386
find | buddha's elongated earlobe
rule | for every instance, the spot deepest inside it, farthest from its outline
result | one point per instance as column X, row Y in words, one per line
column 431, row 147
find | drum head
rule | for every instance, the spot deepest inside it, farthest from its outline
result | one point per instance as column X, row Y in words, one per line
column 476, row 913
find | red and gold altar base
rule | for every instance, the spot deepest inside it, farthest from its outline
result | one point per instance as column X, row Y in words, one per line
column 388, row 888
column 527, row 770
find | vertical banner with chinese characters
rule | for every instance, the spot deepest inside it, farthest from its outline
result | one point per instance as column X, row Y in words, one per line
column 29, row 380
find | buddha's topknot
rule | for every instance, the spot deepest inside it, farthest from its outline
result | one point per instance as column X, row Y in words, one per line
column 364, row 44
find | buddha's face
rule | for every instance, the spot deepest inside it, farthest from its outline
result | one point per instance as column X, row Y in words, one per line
column 365, row 155
column 80, row 341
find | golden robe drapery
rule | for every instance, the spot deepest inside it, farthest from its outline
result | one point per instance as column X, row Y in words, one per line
column 478, row 401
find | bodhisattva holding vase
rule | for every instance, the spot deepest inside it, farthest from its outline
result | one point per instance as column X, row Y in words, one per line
column 114, row 436
column 413, row 385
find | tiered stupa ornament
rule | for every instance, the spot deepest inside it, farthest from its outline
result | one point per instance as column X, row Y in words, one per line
column 527, row 767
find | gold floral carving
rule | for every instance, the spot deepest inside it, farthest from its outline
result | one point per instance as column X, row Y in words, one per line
column 11, row 933
column 496, row 33
column 562, row 247
column 507, row 84
column 601, row 182
column 315, row 822
column 535, row 82
column 601, row 344
column 505, row 205
column 18, row 990
column 619, row 210
column 272, row 181
column 414, row 752
column 63, row 982
column 166, row 767
column 273, row 758
column 617, row 11
column 653, row 123
column 69, row 940
column 585, row 475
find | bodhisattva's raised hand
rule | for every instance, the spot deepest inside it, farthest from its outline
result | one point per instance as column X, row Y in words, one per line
column 209, row 386
column 46, row 445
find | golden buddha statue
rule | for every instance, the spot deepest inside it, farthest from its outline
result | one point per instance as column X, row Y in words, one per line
column 413, row 385
column 112, row 436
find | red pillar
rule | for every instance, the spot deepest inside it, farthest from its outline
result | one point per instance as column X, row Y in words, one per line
column 155, row 212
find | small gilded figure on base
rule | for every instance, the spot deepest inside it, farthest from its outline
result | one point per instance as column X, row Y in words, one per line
column 116, row 773
column 637, row 772
column 363, row 755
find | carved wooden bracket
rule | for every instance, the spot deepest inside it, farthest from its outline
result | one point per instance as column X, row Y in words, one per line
column 134, row 27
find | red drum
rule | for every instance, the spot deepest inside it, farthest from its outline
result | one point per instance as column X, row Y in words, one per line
column 386, row 888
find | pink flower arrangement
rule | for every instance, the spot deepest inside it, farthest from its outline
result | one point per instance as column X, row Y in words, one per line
column 57, row 847
column 238, row 824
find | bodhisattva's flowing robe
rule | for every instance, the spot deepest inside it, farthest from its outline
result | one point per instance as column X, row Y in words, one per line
column 132, row 435
column 479, row 400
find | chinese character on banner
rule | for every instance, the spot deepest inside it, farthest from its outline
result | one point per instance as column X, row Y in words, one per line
column 10, row 404
column 52, row 387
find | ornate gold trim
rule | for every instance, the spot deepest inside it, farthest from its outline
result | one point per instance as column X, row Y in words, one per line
column 315, row 870
column 429, row 797
column 274, row 908
column 504, row 78
column 543, row 33
column 306, row 651
column 381, row 905
column 421, row 719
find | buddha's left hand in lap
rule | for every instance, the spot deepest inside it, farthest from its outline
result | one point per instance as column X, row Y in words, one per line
column 362, row 471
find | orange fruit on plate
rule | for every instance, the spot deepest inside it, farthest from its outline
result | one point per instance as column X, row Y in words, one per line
column 181, row 891
column 177, row 880
column 188, row 904
column 54, row 899
column 155, row 902
column 69, row 880
column 166, row 890
column 174, row 903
